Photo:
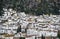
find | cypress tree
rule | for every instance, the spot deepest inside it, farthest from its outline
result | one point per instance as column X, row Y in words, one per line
column 42, row 37
column 1, row 7
column 19, row 29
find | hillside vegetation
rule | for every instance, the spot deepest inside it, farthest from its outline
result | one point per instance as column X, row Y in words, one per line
column 35, row 7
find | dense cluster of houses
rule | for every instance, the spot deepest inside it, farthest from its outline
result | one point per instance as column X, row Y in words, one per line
column 32, row 27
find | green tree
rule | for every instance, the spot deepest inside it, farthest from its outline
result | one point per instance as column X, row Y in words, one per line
column 1, row 7
column 42, row 37
column 58, row 34
column 19, row 29
column 22, row 37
